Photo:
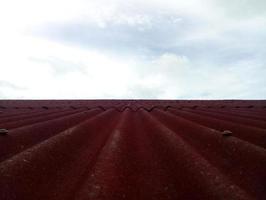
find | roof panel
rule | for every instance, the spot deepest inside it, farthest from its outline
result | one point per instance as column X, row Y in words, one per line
column 132, row 149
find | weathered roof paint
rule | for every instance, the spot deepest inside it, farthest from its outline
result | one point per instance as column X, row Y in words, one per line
column 132, row 149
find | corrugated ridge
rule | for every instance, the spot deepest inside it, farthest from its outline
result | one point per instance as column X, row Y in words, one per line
column 24, row 137
column 240, row 113
column 35, row 119
column 251, row 134
column 26, row 115
column 229, row 117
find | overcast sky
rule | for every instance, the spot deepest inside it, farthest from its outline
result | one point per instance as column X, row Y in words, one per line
column 76, row 49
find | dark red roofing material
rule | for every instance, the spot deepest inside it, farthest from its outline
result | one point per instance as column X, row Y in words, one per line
column 132, row 149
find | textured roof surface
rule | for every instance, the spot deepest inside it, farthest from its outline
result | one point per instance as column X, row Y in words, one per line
column 132, row 149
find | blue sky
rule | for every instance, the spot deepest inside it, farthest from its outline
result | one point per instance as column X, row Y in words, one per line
column 193, row 49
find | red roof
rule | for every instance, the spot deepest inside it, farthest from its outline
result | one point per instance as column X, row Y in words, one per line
column 132, row 149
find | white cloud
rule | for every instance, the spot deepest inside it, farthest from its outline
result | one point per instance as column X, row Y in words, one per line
column 132, row 49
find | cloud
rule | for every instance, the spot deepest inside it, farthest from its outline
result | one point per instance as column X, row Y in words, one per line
column 60, row 66
column 133, row 49
column 7, row 89
column 135, row 34
column 149, row 31
column 140, row 91
column 241, row 8
column 5, row 84
column 177, row 77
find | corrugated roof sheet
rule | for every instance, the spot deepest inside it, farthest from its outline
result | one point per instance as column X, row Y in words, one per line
column 132, row 149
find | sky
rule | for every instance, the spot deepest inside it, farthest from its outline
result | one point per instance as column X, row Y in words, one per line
column 134, row 49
